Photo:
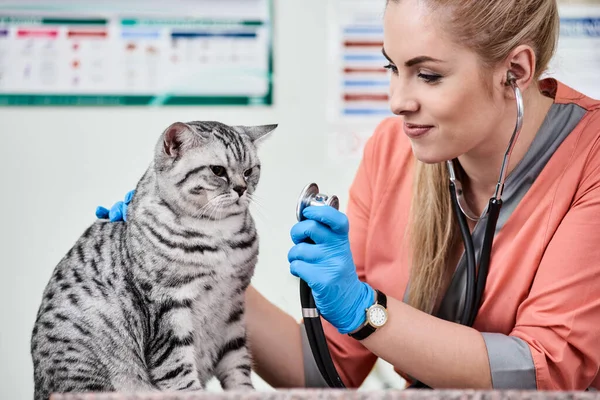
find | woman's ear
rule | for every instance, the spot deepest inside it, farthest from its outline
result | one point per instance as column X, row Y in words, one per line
column 521, row 62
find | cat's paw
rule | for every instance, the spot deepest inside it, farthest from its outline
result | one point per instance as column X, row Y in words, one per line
column 239, row 387
column 244, row 387
column 194, row 386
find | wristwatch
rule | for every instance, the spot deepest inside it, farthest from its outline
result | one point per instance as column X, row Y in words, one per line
column 377, row 316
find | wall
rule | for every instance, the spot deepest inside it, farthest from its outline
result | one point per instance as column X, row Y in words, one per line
column 58, row 164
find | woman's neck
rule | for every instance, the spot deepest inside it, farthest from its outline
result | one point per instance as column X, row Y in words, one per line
column 482, row 165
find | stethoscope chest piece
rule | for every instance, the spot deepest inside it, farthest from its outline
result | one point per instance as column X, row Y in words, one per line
column 310, row 196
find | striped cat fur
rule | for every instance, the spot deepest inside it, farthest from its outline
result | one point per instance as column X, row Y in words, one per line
column 157, row 302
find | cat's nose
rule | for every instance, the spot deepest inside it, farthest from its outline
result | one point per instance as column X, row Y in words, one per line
column 239, row 190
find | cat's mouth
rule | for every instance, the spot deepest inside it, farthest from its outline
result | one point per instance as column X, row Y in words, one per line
column 241, row 202
column 234, row 201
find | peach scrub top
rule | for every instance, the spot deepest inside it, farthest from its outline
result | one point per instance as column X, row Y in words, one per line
column 540, row 312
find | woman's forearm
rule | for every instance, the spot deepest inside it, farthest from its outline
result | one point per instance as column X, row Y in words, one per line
column 275, row 342
column 439, row 353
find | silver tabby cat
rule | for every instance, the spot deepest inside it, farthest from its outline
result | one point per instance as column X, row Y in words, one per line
column 157, row 302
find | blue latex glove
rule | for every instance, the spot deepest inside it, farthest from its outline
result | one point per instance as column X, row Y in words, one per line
column 327, row 267
column 118, row 212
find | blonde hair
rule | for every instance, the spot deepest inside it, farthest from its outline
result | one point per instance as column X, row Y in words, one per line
column 492, row 29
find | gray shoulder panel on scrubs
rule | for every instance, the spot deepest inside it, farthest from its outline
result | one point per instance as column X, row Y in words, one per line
column 312, row 375
column 511, row 362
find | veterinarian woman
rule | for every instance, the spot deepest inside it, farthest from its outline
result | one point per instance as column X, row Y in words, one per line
column 454, row 66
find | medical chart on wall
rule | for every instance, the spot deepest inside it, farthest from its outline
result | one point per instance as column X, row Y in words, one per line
column 359, row 82
column 150, row 52
column 577, row 59
column 358, row 92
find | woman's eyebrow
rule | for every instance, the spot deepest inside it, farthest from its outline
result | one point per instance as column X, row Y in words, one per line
column 413, row 61
column 386, row 56
column 421, row 59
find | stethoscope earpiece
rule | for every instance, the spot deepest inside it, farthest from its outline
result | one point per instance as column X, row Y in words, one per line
column 511, row 79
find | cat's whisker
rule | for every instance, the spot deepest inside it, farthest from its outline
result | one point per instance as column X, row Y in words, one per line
column 216, row 203
column 218, row 211
column 202, row 209
column 259, row 201
column 218, row 208
column 213, row 205
column 260, row 207
column 257, row 196
column 260, row 210
column 209, row 205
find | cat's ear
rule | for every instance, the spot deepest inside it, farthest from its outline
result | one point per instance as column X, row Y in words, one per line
column 256, row 132
column 173, row 138
column 179, row 136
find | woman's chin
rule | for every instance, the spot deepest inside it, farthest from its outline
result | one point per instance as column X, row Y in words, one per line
column 428, row 155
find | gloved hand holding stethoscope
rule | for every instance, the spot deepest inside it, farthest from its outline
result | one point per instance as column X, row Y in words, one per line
column 328, row 268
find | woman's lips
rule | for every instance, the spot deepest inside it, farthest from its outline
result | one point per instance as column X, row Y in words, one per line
column 415, row 130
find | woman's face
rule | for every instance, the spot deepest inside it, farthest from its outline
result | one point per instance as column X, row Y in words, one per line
column 438, row 87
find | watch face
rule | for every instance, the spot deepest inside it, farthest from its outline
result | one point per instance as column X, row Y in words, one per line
column 377, row 315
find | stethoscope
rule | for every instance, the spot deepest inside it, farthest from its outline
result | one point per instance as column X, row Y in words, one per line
column 310, row 196
column 476, row 279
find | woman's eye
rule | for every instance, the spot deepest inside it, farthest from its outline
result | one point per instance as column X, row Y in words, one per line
column 218, row 170
column 248, row 172
column 391, row 67
column 430, row 78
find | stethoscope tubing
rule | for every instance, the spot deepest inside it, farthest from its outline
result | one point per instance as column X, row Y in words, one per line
column 493, row 213
column 310, row 314
column 316, row 337
column 469, row 252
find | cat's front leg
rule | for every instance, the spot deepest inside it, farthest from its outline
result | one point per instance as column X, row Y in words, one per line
column 172, row 358
column 174, row 367
column 234, row 364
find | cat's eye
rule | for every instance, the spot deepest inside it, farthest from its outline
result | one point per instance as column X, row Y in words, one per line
column 218, row 170
column 248, row 172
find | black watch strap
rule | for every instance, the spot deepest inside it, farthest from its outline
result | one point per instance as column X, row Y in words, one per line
column 363, row 332
column 381, row 298
column 368, row 329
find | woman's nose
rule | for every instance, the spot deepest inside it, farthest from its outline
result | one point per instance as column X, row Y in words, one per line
column 402, row 101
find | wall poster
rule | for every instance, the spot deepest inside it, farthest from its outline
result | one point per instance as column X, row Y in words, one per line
column 150, row 52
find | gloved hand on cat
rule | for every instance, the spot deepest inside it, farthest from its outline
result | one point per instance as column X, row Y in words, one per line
column 118, row 212
column 327, row 267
